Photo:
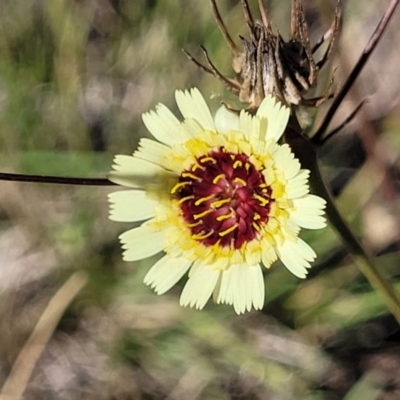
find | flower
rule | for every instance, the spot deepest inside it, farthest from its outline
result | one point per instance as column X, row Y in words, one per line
column 220, row 197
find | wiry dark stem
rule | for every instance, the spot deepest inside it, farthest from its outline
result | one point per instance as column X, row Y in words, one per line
column 343, row 124
column 4, row 176
column 308, row 156
column 247, row 14
column 369, row 48
column 222, row 27
column 333, row 31
column 212, row 70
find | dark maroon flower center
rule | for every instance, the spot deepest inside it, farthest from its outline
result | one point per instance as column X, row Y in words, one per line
column 224, row 199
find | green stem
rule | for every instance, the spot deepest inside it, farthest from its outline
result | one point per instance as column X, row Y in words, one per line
column 307, row 154
column 362, row 259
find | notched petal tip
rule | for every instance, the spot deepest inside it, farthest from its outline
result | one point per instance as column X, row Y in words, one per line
column 191, row 104
column 277, row 116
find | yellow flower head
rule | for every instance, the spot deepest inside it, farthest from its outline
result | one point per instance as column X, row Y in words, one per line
column 220, row 197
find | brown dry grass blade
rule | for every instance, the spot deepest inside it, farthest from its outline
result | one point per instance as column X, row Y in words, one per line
column 369, row 48
column 22, row 369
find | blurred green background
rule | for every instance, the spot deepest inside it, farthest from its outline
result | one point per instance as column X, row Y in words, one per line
column 75, row 77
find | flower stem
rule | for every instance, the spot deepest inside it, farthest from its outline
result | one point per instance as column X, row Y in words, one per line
column 362, row 259
column 307, row 154
column 60, row 180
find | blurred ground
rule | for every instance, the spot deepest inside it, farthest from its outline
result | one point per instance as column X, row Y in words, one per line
column 75, row 77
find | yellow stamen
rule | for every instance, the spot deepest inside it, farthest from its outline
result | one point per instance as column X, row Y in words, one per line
column 206, row 159
column 237, row 164
column 183, row 199
column 256, row 217
column 218, row 178
column 178, row 186
column 194, row 224
column 203, row 235
column 240, row 180
column 247, row 166
column 256, row 227
column 228, row 231
column 189, row 175
column 203, row 214
column 262, row 200
column 226, row 216
column 203, row 200
column 219, row 203
column 197, row 166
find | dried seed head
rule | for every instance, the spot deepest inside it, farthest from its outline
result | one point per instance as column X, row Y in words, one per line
column 269, row 65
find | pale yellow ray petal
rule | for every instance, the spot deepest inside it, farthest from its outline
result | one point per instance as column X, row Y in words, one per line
column 141, row 242
column 286, row 162
column 296, row 256
column 192, row 105
column 298, row 186
column 152, row 151
column 309, row 212
column 130, row 206
column 163, row 125
column 277, row 116
column 134, row 172
column 226, row 120
column 248, row 288
column 166, row 272
column 199, row 287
